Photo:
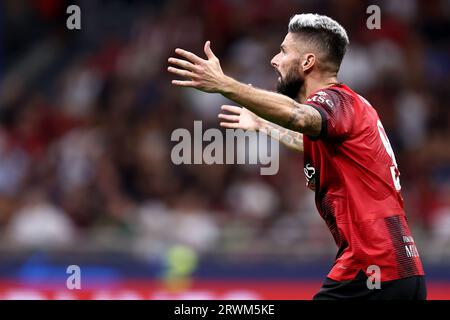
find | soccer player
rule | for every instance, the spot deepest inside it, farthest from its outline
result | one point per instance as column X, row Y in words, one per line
column 348, row 160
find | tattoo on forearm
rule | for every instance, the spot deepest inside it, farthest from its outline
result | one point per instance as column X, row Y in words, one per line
column 305, row 118
column 291, row 139
column 296, row 113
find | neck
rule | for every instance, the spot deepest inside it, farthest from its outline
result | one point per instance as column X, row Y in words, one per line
column 315, row 82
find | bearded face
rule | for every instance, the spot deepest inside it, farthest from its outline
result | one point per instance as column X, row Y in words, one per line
column 290, row 83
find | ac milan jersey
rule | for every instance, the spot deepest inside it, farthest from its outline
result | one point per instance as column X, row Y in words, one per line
column 353, row 171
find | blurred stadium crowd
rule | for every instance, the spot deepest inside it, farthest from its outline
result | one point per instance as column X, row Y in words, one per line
column 86, row 118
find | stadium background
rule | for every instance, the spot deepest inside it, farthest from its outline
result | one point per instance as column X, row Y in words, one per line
column 85, row 171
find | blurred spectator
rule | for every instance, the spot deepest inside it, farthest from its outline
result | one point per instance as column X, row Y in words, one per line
column 40, row 224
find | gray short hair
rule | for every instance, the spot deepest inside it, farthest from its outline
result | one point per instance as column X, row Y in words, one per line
column 319, row 22
column 325, row 32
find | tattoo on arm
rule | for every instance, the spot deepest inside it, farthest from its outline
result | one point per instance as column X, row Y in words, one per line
column 291, row 139
column 306, row 119
column 294, row 117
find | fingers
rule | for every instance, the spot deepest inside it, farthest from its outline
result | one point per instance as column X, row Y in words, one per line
column 229, row 117
column 230, row 125
column 183, row 73
column 183, row 83
column 189, row 56
column 208, row 50
column 182, row 63
column 232, row 109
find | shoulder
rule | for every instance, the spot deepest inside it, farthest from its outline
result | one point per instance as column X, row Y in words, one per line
column 336, row 107
column 331, row 98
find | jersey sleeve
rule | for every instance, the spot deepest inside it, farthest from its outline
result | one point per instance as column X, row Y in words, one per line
column 337, row 111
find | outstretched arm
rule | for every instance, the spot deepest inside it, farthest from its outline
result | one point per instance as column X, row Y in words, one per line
column 242, row 118
column 207, row 75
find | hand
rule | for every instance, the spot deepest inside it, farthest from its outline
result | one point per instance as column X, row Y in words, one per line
column 240, row 118
column 205, row 75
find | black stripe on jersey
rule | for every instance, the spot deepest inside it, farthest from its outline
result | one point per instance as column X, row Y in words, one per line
column 407, row 265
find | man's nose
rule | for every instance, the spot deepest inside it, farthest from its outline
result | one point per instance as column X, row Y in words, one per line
column 274, row 61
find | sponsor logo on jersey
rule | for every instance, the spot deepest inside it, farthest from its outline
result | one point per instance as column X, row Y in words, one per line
column 310, row 174
column 410, row 248
column 321, row 97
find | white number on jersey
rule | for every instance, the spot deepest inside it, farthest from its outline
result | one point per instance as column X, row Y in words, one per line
column 394, row 168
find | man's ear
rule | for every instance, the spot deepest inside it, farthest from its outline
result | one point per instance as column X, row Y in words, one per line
column 308, row 62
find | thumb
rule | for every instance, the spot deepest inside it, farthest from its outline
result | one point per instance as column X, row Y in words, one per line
column 208, row 50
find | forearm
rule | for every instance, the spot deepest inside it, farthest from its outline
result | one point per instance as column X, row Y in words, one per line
column 291, row 139
column 274, row 107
